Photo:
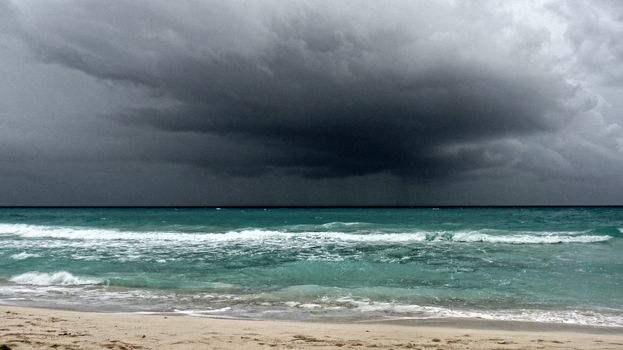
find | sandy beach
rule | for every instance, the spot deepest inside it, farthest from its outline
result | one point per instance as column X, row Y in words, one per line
column 29, row 328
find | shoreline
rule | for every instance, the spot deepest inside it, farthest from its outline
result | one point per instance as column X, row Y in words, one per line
column 34, row 328
column 504, row 325
column 443, row 322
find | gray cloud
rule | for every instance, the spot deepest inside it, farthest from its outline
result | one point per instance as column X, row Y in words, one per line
column 596, row 37
column 328, row 97
column 318, row 92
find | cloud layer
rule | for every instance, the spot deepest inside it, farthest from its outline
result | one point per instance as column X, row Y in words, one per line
column 427, row 92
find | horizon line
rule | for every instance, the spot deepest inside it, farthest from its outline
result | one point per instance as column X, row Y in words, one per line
column 447, row 206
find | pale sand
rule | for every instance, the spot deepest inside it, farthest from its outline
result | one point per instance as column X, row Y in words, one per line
column 27, row 328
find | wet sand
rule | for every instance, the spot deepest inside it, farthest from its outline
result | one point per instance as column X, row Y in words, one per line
column 29, row 328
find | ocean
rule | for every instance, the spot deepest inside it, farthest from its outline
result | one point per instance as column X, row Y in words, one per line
column 557, row 265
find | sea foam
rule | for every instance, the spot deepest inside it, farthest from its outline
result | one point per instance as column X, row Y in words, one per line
column 61, row 278
column 365, row 309
column 284, row 237
column 24, row 255
column 527, row 238
column 577, row 317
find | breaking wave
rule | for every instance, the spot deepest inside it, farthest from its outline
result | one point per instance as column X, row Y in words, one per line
column 366, row 309
column 280, row 236
column 61, row 278
column 550, row 238
column 24, row 255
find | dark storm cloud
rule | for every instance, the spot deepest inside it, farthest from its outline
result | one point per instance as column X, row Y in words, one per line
column 309, row 91
column 310, row 102
column 410, row 126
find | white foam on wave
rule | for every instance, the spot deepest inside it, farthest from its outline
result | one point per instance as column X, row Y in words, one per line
column 248, row 236
column 24, row 255
column 390, row 310
column 302, row 305
column 62, row 278
column 49, row 286
column 343, row 224
column 527, row 238
column 199, row 313
column 576, row 317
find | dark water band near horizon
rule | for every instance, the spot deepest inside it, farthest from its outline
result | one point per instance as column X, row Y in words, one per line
column 556, row 265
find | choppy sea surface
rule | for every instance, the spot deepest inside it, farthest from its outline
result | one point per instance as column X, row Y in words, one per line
column 558, row 265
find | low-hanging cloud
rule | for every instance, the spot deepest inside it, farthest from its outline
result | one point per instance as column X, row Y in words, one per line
column 399, row 92
column 322, row 93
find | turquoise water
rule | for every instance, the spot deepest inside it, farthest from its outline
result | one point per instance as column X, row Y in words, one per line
column 562, row 265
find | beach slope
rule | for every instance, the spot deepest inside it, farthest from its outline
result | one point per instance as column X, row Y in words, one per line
column 27, row 328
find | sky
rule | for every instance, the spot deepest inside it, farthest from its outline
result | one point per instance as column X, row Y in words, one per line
column 196, row 102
